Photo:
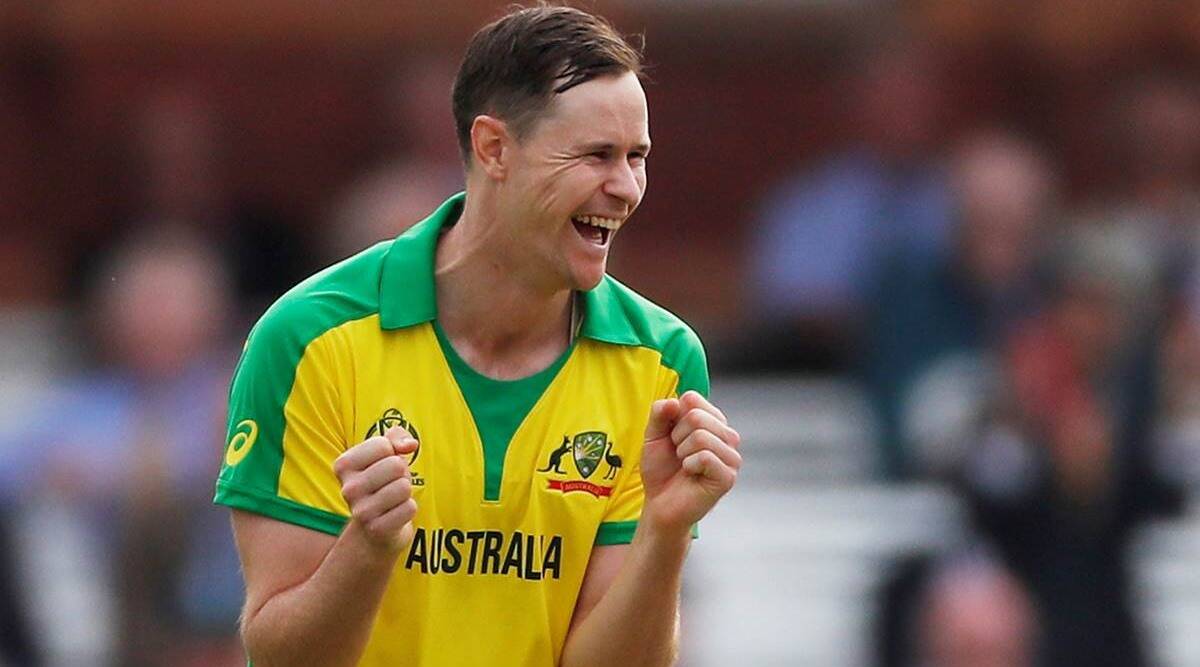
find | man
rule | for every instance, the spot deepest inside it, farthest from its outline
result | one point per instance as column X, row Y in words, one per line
column 469, row 446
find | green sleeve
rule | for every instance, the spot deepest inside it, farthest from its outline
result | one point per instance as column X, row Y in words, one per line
column 254, row 455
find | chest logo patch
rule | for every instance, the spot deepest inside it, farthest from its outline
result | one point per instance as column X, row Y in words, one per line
column 588, row 450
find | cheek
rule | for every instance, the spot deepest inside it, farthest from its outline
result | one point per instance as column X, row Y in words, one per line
column 557, row 189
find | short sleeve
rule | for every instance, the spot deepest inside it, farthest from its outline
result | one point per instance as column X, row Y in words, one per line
column 683, row 370
column 285, row 429
column 685, row 365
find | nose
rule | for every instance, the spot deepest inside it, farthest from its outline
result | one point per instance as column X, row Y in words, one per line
column 626, row 182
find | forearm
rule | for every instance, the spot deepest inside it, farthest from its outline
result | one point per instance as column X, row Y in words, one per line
column 635, row 624
column 325, row 620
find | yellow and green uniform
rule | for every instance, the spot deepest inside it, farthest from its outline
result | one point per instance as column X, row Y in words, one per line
column 515, row 481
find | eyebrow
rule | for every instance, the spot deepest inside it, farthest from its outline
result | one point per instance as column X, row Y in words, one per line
column 641, row 147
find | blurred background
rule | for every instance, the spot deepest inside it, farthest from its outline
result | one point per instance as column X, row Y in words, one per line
column 944, row 256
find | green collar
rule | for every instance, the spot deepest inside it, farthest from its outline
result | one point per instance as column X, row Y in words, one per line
column 407, row 296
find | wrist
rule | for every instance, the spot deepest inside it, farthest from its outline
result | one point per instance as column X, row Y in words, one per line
column 665, row 518
column 665, row 533
column 660, row 549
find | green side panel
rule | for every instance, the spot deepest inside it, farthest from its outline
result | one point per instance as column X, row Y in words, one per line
column 497, row 406
column 267, row 370
column 616, row 314
column 621, row 532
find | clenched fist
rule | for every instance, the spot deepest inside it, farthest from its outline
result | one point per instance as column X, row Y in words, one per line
column 377, row 485
column 690, row 460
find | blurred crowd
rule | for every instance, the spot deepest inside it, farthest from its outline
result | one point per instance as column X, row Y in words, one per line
column 1033, row 351
column 1029, row 344
column 114, row 553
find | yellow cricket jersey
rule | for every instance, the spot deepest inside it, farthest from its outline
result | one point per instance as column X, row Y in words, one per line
column 515, row 482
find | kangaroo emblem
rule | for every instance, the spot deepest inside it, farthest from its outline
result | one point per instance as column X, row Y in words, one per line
column 613, row 461
column 555, row 462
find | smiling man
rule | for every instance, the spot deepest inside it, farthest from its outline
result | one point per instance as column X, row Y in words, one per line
column 469, row 445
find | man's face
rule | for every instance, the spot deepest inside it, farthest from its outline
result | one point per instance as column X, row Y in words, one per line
column 576, row 179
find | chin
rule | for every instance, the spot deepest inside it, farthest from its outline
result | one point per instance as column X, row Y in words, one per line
column 589, row 285
column 588, row 278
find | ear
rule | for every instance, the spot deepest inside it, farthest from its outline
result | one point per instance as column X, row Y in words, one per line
column 489, row 141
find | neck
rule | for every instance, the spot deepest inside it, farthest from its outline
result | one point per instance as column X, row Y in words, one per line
column 500, row 319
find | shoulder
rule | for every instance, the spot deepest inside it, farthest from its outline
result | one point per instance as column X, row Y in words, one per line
column 340, row 293
column 652, row 325
column 620, row 315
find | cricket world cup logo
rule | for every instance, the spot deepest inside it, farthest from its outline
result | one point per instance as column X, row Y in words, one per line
column 393, row 417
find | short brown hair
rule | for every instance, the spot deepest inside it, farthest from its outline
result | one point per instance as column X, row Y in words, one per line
column 515, row 66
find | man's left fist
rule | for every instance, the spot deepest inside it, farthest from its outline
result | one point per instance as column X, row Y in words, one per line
column 690, row 460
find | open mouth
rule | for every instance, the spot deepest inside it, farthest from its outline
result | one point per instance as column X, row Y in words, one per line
column 595, row 229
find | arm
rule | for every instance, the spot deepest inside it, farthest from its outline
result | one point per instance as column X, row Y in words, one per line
column 631, row 592
column 311, row 598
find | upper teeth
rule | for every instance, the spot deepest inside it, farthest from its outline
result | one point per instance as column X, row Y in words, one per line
column 597, row 221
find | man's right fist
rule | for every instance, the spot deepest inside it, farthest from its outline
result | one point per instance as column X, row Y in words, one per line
column 377, row 485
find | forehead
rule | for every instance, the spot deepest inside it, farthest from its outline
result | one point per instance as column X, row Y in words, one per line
column 611, row 109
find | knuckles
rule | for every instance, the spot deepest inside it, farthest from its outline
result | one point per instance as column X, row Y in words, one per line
column 734, row 439
column 341, row 465
column 706, row 444
column 394, row 518
column 378, row 446
column 396, row 434
column 692, row 398
column 354, row 482
column 695, row 418
column 408, row 510
column 360, row 513
column 698, row 421
column 351, row 489
column 369, row 450
column 402, row 490
column 396, row 467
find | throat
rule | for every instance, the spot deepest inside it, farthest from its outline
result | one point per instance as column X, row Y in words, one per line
column 505, row 338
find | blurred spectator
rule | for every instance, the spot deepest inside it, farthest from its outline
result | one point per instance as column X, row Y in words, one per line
column 419, row 163
column 1156, row 136
column 975, row 614
column 1064, row 470
column 824, row 234
column 926, row 315
column 1158, row 140
column 119, row 461
column 181, row 179
column 958, row 609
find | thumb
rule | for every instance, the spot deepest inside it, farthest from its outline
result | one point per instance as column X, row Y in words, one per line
column 663, row 414
column 402, row 441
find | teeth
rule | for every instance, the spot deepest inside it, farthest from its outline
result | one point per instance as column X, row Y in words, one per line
column 597, row 221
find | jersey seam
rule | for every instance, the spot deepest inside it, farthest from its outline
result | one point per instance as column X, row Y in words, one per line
column 292, row 390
